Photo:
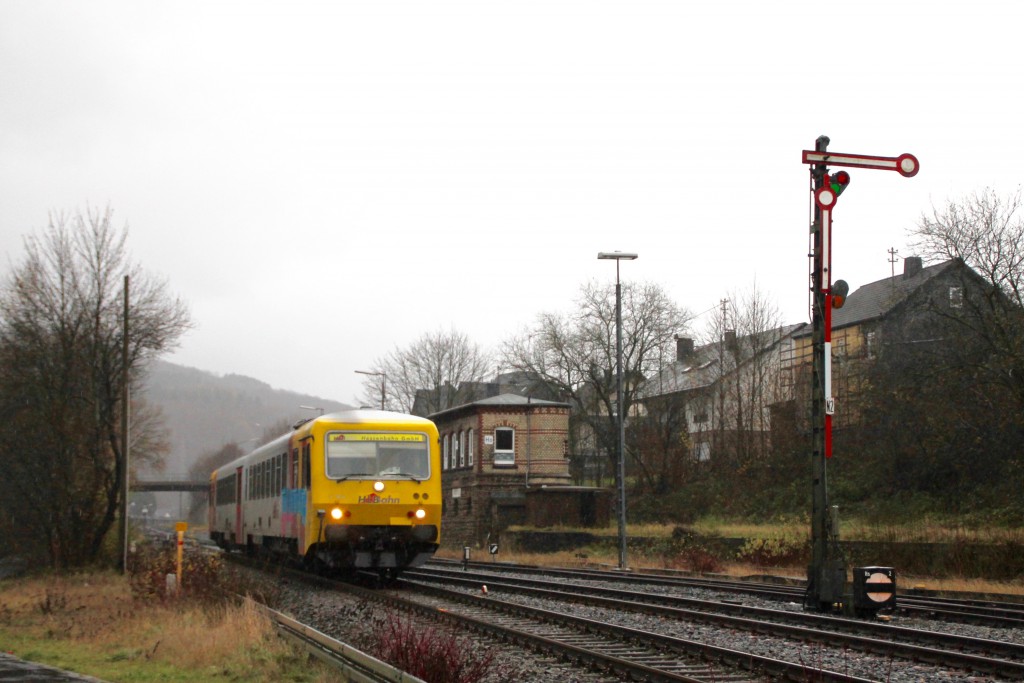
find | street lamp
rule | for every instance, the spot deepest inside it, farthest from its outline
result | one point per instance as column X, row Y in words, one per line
column 383, row 384
column 618, row 256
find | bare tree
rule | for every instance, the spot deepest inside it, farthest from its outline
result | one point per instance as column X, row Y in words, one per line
column 430, row 369
column 741, row 348
column 574, row 356
column 61, row 369
column 985, row 232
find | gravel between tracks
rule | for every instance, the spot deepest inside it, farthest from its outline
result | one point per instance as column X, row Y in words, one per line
column 345, row 618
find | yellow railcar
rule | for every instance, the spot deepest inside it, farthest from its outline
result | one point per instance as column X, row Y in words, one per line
column 356, row 489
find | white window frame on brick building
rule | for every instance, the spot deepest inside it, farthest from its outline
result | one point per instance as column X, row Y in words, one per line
column 462, row 448
column 469, row 447
column 504, row 457
column 444, row 452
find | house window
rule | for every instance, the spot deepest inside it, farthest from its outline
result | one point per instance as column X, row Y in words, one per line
column 839, row 348
column 956, row 297
column 504, row 446
column 702, row 451
column 462, row 449
column 458, row 455
column 444, row 452
column 871, row 344
column 469, row 448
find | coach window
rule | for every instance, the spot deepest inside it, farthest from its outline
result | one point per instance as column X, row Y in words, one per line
column 504, row 446
column 305, row 466
column 294, row 482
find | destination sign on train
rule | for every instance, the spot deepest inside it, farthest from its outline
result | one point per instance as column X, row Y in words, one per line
column 376, row 437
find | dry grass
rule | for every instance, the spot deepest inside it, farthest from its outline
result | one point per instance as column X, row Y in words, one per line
column 89, row 623
column 926, row 531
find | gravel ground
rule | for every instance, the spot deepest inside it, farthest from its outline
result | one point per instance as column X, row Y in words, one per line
column 350, row 620
column 347, row 618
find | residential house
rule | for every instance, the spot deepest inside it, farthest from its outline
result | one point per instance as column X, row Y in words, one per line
column 721, row 394
column 880, row 314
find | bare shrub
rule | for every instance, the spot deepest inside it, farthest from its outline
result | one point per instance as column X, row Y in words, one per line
column 202, row 574
column 433, row 654
column 694, row 551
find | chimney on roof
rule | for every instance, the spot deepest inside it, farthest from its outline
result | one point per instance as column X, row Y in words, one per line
column 684, row 348
column 912, row 265
column 730, row 339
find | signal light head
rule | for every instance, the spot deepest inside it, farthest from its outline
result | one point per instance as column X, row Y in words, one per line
column 839, row 181
column 839, row 292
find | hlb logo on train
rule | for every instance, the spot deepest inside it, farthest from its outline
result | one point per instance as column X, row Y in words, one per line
column 374, row 498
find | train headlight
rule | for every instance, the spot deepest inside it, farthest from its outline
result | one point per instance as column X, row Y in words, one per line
column 378, row 486
column 336, row 513
column 421, row 513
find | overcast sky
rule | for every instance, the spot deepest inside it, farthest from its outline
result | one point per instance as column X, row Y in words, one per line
column 324, row 181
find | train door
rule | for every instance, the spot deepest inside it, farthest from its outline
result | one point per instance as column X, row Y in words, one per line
column 238, row 505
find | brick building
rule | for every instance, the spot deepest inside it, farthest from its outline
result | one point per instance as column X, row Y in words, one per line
column 496, row 450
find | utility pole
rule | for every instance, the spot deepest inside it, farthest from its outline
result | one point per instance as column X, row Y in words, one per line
column 125, row 422
column 893, row 257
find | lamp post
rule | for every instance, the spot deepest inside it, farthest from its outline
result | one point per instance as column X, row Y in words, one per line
column 618, row 256
column 383, row 384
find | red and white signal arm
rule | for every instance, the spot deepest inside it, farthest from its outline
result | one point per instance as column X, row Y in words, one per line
column 906, row 165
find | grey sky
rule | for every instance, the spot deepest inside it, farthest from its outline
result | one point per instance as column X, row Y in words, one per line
column 324, row 181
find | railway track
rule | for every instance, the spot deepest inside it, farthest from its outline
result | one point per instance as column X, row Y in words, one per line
column 589, row 626
column 993, row 657
column 616, row 652
column 628, row 653
column 356, row 666
column 986, row 612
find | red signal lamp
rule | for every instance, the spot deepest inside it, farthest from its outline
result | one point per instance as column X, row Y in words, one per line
column 840, row 290
column 839, row 181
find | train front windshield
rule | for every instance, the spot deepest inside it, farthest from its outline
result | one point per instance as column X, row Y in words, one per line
column 380, row 454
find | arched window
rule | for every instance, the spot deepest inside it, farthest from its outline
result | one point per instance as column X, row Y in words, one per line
column 469, row 448
column 444, row 452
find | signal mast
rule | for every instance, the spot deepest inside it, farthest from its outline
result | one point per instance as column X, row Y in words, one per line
column 826, row 576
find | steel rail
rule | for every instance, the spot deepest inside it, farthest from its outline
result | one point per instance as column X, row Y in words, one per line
column 881, row 641
column 356, row 665
column 622, row 660
column 756, row 664
column 872, row 628
column 981, row 612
